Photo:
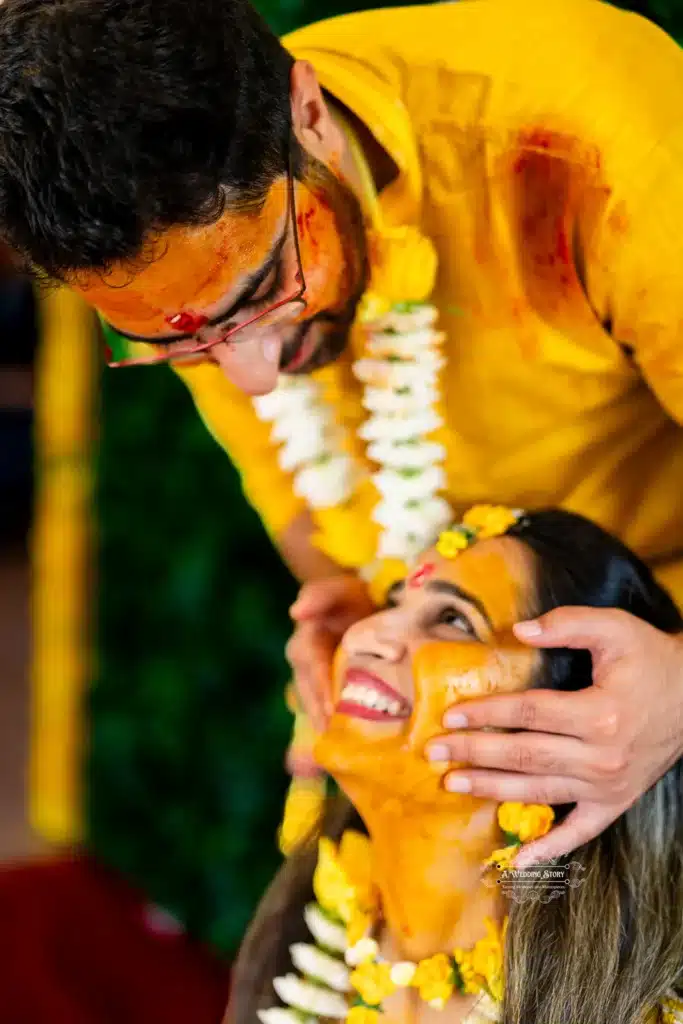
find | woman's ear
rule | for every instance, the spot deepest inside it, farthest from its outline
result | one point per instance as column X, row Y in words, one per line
column 312, row 121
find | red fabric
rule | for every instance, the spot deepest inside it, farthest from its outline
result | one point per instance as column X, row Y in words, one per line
column 75, row 949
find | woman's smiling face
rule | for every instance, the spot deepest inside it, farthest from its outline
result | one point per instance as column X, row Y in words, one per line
column 445, row 636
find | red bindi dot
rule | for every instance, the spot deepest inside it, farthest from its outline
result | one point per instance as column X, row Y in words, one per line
column 421, row 574
column 186, row 321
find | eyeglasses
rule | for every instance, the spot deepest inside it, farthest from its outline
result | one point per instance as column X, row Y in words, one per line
column 183, row 352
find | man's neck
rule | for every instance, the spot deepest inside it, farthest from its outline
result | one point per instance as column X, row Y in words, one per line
column 382, row 168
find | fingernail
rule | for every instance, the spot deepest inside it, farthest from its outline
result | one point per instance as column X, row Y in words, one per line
column 528, row 629
column 457, row 784
column 438, row 752
column 455, row 720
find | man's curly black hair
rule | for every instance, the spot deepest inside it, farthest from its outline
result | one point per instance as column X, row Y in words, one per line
column 119, row 118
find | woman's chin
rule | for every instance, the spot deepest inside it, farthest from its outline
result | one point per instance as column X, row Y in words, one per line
column 375, row 757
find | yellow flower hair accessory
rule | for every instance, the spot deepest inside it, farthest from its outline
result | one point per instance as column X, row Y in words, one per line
column 480, row 523
column 520, row 823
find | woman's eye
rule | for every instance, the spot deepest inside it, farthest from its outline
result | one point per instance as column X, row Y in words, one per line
column 456, row 620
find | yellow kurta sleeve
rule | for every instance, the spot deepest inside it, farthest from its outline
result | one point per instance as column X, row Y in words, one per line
column 229, row 416
column 638, row 277
column 635, row 284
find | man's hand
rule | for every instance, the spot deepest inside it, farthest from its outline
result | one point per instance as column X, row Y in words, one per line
column 600, row 748
column 323, row 612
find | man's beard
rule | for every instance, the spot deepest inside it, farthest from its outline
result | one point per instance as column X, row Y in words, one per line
column 348, row 217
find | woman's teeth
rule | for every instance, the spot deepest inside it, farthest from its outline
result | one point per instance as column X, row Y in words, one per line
column 367, row 697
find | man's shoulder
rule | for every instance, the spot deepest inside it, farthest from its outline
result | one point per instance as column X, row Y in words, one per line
column 502, row 63
column 459, row 29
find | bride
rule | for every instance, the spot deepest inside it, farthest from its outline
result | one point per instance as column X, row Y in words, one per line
column 406, row 908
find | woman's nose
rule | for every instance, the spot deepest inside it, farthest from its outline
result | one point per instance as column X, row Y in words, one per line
column 252, row 364
column 375, row 638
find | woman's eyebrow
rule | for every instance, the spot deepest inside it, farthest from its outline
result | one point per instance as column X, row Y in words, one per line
column 453, row 590
column 251, row 285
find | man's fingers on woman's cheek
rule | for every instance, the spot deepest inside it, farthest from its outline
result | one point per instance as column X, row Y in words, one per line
column 506, row 786
column 536, row 710
column 533, row 753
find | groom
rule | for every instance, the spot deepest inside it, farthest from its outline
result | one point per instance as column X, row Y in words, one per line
column 224, row 201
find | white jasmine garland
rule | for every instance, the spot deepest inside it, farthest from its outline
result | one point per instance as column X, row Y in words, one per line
column 279, row 1015
column 309, row 998
column 400, row 370
column 364, row 950
column 403, row 973
column 325, row 932
column 320, row 966
column 312, row 444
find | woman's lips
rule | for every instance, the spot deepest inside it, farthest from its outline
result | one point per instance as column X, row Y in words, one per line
column 365, row 695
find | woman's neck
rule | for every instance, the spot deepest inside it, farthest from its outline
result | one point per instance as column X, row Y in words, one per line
column 427, row 861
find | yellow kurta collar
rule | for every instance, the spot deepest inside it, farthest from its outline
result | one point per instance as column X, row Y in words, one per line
column 377, row 103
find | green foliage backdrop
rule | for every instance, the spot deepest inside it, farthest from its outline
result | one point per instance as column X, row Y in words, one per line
column 188, row 725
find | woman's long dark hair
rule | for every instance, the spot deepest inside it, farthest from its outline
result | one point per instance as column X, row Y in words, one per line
column 608, row 950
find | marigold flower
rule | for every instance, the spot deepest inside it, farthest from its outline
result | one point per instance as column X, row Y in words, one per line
column 358, row 926
column 510, row 816
column 331, row 885
column 536, row 821
column 451, row 543
column 469, row 982
column 487, row 959
column 434, row 978
column 362, row 1015
column 489, row 520
column 372, row 981
column 342, row 882
column 402, row 264
column 303, row 807
column 355, row 857
column 504, row 857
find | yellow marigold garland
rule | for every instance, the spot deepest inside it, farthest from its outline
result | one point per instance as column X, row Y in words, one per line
column 345, row 891
column 344, row 888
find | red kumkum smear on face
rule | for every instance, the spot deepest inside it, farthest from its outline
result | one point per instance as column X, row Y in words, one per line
column 421, row 574
column 303, row 221
column 186, row 321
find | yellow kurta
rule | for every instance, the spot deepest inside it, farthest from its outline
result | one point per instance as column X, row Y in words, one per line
column 540, row 145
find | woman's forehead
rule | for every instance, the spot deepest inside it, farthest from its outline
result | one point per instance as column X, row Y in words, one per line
column 499, row 573
column 187, row 267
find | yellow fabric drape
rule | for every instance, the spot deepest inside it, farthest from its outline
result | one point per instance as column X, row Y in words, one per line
column 66, row 377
